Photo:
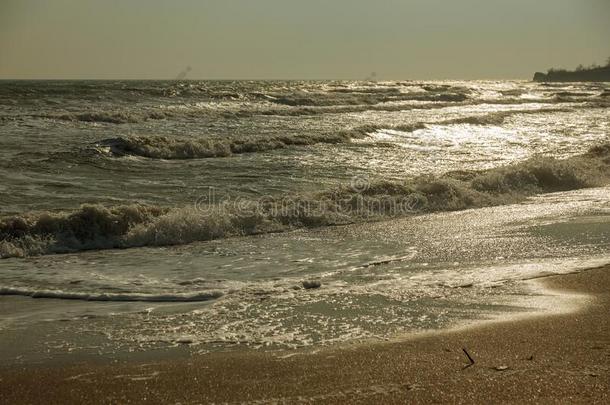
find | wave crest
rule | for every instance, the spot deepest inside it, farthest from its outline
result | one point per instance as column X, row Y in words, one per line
column 98, row 227
column 355, row 98
column 163, row 147
column 87, row 296
column 173, row 148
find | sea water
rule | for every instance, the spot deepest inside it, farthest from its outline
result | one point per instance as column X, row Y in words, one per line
column 147, row 214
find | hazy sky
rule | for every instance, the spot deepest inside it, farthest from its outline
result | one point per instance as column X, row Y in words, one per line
column 309, row 39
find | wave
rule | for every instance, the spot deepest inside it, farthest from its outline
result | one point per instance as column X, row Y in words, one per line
column 104, row 117
column 272, row 107
column 307, row 99
column 163, row 147
column 110, row 117
column 227, row 112
column 99, row 227
column 289, row 106
column 174, row 148
column 342, row 109
column 100, row 102
column 499, row 117
column 131, row 297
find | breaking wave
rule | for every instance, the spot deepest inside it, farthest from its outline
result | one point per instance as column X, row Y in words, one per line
column 109, row 117
column 354, row 97
column 85, row 296
column 99, row 227
column 163, row 147
column 174, row 148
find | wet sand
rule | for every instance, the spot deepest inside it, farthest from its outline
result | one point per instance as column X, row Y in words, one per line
column 561, row 358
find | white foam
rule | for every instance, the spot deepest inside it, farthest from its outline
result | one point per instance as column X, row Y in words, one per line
column 130, row 297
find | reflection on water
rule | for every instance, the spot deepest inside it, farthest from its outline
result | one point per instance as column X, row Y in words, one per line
column 165, row 144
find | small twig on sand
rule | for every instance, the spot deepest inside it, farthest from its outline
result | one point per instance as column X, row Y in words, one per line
column 469, row 358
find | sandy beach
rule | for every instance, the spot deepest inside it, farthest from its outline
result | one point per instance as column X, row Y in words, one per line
column 563, row 358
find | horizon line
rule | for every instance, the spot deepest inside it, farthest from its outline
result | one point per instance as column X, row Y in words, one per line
column 256, row 79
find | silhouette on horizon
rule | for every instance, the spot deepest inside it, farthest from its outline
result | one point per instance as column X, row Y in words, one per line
column 581, row 74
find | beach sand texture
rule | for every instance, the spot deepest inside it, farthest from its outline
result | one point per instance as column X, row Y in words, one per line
column 563, row 358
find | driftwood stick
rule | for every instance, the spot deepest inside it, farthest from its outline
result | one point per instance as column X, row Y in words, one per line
column 468, row 355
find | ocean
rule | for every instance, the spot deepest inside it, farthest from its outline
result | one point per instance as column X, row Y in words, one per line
column 224, row 215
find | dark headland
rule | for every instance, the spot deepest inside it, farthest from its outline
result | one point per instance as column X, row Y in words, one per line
column 591, row 74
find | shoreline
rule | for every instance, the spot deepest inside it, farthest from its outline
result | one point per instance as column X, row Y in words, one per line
column 557, row 357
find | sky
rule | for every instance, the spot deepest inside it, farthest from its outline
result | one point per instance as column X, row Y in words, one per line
column 299, row 39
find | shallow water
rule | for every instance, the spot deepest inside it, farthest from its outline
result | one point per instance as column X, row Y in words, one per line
column 186, row 149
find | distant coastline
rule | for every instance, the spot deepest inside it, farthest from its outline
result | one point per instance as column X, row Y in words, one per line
column 581, row 74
